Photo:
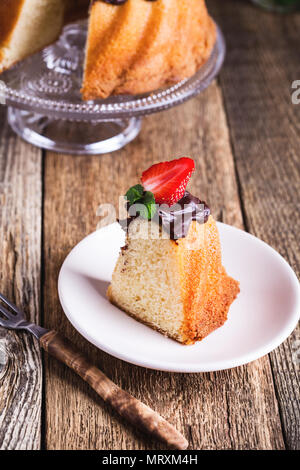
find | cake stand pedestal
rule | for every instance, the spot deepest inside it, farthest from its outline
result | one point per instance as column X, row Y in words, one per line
column 45, row 106
column 70, row 136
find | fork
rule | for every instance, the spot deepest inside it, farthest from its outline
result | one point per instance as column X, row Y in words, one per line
column 133, row 410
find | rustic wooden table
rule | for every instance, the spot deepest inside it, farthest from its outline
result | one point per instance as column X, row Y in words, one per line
column 243, row 133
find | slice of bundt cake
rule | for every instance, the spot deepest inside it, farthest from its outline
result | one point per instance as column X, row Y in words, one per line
column 169, row 275
column 27, row 26
column 133, row 46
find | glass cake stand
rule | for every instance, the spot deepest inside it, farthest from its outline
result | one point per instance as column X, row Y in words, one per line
column 45, row 107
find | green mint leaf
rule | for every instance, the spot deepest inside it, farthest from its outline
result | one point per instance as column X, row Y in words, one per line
column 134, row 194
column 144, row 199
column 148, row 200
column 144, row 206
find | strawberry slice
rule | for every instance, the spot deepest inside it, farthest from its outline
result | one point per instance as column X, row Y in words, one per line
column 168, row 180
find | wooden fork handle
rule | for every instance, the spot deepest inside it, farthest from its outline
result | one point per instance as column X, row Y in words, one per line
column 133, row 410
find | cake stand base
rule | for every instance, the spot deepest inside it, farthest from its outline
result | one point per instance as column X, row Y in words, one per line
column 73, row 137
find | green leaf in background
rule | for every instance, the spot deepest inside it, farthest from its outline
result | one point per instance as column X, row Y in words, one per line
column 134, row 193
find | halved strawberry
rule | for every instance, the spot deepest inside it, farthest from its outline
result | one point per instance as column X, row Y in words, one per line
column 168, row 180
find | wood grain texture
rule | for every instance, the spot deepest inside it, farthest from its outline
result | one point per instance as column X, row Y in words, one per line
column 235, row 409
column 255, row 160
column 128, row 407
column 262, row 62
column 20, row 242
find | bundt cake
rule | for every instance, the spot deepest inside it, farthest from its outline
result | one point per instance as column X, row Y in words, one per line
column 133, row 46
column 169, row 274
column 143, row 45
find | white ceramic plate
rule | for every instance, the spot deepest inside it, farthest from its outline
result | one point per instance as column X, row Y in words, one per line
column 264, row 314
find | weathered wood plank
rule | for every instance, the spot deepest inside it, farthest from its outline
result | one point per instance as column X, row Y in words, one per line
column 20, row 241
column 262, row 63
column 234, row 409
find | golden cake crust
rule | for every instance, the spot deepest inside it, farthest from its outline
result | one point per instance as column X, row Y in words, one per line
column 207, row 290
column 141, row 46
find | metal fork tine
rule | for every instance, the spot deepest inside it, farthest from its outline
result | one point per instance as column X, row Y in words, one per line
column 12, row 306
column 6, row 313
column 14, row 319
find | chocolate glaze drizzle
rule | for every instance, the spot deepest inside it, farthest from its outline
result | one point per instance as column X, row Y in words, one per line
column 113, row 2
column 176, row 220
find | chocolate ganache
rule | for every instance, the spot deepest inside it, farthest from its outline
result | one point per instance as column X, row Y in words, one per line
column 176, row 220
